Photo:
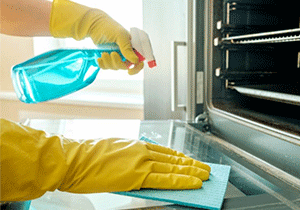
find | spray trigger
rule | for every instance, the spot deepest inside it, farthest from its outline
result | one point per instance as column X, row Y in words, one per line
column 142, row 46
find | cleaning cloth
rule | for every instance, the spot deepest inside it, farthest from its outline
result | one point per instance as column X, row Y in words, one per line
column 210, row 196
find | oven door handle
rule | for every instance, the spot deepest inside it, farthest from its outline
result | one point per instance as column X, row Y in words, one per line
column 174, row 76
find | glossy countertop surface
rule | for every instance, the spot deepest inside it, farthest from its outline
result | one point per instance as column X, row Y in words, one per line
column 251, row 189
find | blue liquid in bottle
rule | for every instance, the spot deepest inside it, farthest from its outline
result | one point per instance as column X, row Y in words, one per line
column 57, row 73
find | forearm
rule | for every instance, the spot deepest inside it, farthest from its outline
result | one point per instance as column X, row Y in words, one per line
column 25, row 17
column 31, row 162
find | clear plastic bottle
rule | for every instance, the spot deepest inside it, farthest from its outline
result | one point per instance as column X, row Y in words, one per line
column 56, row 73
column 61, row 72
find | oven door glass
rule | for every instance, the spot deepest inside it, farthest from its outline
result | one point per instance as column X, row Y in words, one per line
column 251, row 183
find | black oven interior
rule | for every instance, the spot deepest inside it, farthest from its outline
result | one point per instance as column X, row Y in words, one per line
column 256, row 61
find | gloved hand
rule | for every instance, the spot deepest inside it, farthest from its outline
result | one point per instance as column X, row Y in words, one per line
column 69, row 19
column 114, row 61
column 33, row 162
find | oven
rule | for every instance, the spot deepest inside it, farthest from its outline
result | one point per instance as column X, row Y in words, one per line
column 251, row 55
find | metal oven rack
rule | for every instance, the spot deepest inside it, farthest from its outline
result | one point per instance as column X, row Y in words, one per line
column 290, row 35
column 263, row 91
column 267, row 91
column 235, row 38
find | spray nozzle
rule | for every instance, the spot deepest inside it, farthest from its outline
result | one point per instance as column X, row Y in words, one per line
column 142, row 46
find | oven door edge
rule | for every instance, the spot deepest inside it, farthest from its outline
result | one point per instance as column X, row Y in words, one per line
column 252, row 162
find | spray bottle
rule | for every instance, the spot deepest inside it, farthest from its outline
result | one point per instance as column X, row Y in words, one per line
column 57, row 73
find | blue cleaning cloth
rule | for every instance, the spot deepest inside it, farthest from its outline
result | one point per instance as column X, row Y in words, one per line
column 210, row 196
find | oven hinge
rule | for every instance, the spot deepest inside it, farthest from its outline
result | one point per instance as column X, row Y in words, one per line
column 201, row 122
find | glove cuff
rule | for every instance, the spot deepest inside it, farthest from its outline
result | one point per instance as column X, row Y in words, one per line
column 68, row 20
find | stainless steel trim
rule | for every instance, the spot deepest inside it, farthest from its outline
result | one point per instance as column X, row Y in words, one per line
column 227, row 59
column 285, row 136
column 218, row 72
column 268, row 189
column 174, row 75
column 208, row 52
column 191, row 66
column 228, row 13
column 219, row 25
column 200, row 87
column 298, row 62
column 260, row 164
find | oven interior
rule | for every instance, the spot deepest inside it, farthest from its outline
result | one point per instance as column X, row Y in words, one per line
column 256, row 61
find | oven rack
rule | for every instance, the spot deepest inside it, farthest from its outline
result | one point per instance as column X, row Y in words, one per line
column 264, row 93
column 271, row 40
column 290, row 35
column 238, row 75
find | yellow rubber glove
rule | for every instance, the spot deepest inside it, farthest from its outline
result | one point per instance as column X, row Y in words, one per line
column 114, row 61
column 69, row 19
column 32, row 162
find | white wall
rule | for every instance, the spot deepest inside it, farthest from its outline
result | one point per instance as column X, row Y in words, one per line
column 13, row 50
